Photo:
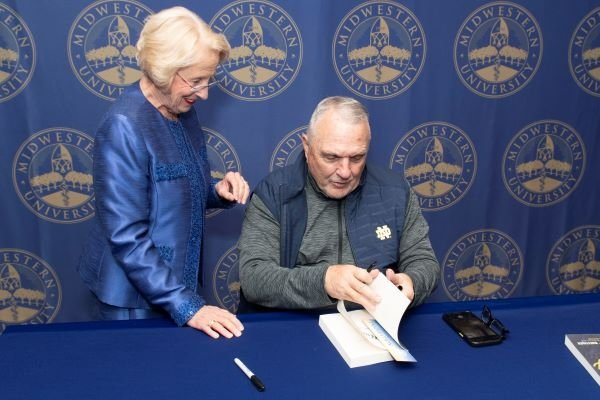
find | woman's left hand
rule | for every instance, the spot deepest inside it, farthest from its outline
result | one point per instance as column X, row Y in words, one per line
column 233, row 187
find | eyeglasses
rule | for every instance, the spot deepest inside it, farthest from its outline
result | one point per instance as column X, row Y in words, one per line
column 493, row 323
column 195, row 89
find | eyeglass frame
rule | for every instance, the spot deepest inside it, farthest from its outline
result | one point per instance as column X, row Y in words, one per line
column 489, row 320
column 197, row 88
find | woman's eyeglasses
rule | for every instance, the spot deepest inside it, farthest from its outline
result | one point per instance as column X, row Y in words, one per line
column 195, row 89
column 493, row 323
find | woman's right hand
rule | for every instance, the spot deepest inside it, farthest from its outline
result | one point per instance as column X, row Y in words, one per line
column 215, row 321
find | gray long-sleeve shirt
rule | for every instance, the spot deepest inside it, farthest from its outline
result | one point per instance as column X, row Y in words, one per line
column 325, row 242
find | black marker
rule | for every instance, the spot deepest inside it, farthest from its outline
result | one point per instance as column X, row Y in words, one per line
column 257, row 382
column 374, row 265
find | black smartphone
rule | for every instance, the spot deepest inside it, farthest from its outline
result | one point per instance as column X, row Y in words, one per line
column 471, row 328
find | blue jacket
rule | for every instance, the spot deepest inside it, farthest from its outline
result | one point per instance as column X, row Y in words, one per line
column 379, row 201
column 152, row 185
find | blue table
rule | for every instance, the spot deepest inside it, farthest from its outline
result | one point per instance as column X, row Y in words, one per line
column 155, row 360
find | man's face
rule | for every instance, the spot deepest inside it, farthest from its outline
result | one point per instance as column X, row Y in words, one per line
column 337, row 153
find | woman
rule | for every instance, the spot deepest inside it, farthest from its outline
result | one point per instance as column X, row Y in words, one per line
column 152, row 183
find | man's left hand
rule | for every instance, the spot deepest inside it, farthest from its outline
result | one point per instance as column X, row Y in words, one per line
column 233, row 187
column 402, row 280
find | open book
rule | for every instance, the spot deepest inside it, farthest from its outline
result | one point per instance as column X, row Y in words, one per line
column 364, row 338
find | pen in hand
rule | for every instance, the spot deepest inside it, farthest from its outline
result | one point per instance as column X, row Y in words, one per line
column 374, row 266
column 255, row 380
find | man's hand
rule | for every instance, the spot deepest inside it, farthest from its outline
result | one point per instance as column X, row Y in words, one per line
column 347, row 282
column 233, row 187
column 402, row 280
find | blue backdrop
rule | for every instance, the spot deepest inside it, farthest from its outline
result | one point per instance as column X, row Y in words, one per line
column 489, row 109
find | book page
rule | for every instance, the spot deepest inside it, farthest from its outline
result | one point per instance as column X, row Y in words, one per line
column 393, row 304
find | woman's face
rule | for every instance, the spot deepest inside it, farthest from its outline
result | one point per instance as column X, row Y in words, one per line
column 189, row 83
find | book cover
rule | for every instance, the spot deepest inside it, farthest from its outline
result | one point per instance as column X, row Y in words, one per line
column 586, row 348
column 350, row 343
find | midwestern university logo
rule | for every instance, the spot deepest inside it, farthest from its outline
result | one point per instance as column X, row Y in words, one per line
column 101, row 46
column 379, row 49
column 222, row 158
column 30, row 291
column 498, row 49
column 266, row 49
column 573, row 264
column 439, row 162
column 543, row 163
column 288, row 149
column 226, row 280
column 17, row 53
column 52, row 174
column 584, row 53
column 485, row 264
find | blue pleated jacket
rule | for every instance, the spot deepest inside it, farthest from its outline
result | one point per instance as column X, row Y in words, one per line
column 152, row 184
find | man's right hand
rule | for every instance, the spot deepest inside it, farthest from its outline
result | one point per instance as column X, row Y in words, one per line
column 348, row 282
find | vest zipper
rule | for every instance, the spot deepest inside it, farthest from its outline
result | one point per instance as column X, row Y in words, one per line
column 340, row 231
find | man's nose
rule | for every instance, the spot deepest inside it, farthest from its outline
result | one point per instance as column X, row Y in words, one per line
column 343, row 169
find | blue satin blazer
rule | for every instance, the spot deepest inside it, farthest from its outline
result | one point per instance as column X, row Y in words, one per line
column 152, row 185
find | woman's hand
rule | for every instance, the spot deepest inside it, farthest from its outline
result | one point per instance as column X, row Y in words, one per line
column 233, row 187
column 215, row 321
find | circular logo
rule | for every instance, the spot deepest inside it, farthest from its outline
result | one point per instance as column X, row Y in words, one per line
column 584, row 53
column 226, row 280
column 266, row 49
column 52, row 173
column 485, row 264
column 543, row 163
column 439, row 162
column 30, row 291
column 17, row 54
column 288, row 149
column 101, row 46
column 572, row 266
column 498, row 49
column 379, row 49
column 222, row 158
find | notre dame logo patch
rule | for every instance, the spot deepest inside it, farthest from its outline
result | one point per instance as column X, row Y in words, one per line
column 379, row 49
column 498, row 49
column 226, row 286
column 266, row 51
column 17, row 53
column 485, row 264
column 222, row 158
column 30, row 291
column 288, row 149
column 573, row 265
column 439, row 162
column 543, row 163
column 584, row 53
column 52, row 174
column 101, row 46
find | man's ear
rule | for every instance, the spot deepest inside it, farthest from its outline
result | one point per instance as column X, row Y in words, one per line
column 305, row 145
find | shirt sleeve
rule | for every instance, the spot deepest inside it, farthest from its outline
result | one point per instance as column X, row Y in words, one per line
column 416, row 256
column 214, row 200
column 263, row 280
column 123, row 192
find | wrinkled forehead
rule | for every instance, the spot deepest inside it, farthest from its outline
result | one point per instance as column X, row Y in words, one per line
column 342, row 138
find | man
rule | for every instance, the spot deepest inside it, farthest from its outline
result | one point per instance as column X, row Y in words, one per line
column 312, row 228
